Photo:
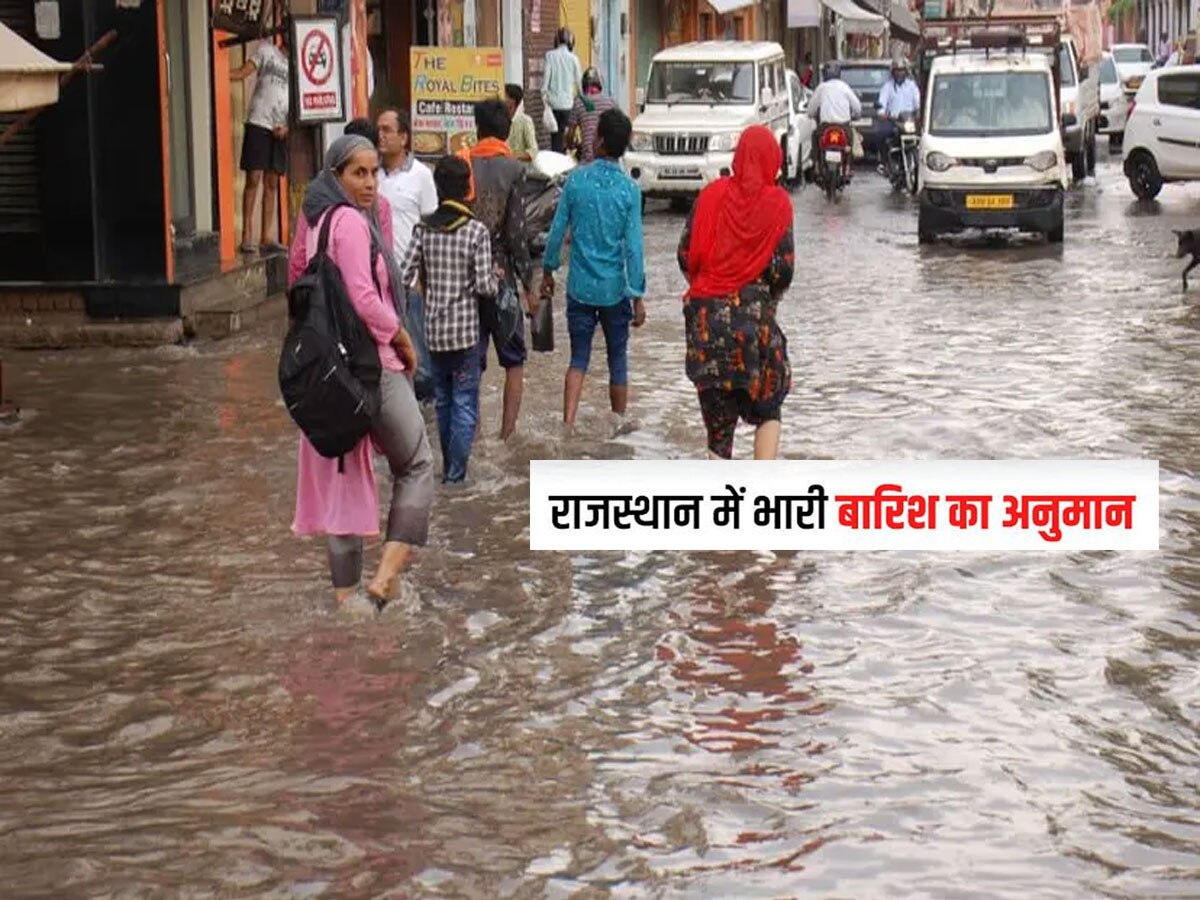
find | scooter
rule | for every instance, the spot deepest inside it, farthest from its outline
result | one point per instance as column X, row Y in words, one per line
column 902, row 155
column 833, row 160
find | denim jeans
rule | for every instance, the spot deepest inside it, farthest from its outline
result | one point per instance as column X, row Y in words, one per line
column 456, row 378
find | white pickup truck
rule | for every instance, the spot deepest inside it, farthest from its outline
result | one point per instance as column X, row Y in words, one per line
column 1079, row 96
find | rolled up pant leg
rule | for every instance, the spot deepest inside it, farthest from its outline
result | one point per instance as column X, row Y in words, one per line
column 400, row 429
column 345, row 559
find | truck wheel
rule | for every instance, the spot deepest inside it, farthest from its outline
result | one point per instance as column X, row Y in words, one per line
column 1091, row 153
column 1079, row 164
column 925, row 234
column 1144, row 178
column 1055, row 234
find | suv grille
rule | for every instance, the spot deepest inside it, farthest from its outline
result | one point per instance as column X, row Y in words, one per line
column 681, row 144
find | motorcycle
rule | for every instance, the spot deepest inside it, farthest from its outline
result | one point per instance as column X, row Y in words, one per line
column 834, row 159
column 902, row 154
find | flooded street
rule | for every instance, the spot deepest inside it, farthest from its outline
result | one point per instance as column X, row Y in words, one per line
column 181, row 715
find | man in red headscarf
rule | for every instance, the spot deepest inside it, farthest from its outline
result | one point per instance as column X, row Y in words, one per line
column 738, row 256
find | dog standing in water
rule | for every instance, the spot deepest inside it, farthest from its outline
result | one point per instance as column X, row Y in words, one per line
column 1189, row 242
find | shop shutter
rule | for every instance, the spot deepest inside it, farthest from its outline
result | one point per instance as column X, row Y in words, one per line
column 20, row 209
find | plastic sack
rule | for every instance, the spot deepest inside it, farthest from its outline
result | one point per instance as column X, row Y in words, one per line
column 541, row 325
column 548, row 121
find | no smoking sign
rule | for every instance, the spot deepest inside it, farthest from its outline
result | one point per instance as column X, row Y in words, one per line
column 316, row 57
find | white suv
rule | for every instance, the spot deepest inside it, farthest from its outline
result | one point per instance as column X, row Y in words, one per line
column 1162, row 135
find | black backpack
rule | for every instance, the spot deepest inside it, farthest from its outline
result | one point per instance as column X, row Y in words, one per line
column 329, row 368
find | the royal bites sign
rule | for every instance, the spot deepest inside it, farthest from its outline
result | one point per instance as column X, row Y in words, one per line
column 446, row 83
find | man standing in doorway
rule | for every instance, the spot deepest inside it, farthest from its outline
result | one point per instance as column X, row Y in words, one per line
column 561, row 83
column 264, row 144
column 407, row 185
column 497, row 182
column 602, row 207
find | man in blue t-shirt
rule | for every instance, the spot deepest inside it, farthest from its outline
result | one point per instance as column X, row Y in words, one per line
column 603, row 208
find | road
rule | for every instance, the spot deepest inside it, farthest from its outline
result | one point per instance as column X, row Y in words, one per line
column 182, row 716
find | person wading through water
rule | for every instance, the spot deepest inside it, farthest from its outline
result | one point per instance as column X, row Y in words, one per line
column 495, row 196
column 738, row 256
column 345, row 505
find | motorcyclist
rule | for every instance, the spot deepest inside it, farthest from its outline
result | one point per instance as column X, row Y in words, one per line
column 899, row 97
column 833, row 103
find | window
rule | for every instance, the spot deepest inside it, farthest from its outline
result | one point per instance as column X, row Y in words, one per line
column 983, row 104
column 709, row 83
column 865, row 78
column 1108, row 71
column 1179, row 90
column 1066, row 70
column 1133, row 55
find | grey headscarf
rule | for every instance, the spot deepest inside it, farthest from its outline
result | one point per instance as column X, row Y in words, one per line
column 326, row 190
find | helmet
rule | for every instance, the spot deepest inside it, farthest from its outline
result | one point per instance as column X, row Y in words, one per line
column 831, row 70
column 591, row 79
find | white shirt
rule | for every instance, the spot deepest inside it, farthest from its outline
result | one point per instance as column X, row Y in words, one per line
column 269, row 102
column 835, row 103
column 411, row 193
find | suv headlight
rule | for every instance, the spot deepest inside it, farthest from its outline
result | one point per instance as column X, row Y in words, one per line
column 1043, row 162
column 724, row 142
column 641, row 142
column 939, row 162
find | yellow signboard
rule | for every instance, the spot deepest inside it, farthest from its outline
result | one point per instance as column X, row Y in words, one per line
column 446, row 83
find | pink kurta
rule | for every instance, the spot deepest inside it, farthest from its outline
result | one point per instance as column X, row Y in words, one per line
column 328, row 501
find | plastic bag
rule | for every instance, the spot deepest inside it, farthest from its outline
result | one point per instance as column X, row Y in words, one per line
column 548, row 121
column 502, row 315
column 541, row 325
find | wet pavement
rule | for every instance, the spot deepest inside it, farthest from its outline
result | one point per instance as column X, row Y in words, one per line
column 182, row 716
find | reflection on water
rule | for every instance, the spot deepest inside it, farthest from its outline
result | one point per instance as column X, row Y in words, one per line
column 184, row 717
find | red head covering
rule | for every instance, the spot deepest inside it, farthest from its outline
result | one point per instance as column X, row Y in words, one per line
column 740, row 219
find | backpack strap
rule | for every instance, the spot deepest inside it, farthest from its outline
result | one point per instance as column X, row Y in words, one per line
column 323, row 237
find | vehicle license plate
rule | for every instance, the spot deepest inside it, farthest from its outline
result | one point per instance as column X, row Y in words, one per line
column 989, row 201
column 680, row 172
column 833, row 156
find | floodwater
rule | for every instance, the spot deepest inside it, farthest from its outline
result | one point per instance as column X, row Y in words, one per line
column 182, row 716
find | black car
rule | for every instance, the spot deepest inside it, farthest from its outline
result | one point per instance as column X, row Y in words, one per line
column 867, row 77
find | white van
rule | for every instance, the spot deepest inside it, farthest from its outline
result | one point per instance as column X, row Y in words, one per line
column 699, row 97
column 992, row 152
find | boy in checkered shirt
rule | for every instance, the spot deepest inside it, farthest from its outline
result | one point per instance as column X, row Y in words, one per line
column 451, row 253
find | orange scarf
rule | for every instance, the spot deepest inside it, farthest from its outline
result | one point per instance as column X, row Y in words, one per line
column 488, row 148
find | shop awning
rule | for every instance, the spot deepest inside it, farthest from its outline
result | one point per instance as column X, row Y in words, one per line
column 903, row 21
column 28, row 77
column 854, row 19
column 725, row 7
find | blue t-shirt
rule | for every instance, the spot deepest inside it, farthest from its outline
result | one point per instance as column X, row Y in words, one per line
column 603, row 208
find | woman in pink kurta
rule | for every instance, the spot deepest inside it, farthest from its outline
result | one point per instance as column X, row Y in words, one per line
column 344, row 505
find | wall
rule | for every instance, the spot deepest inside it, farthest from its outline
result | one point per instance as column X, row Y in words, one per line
column 649, row 37
column 541, row 21
column 199, row 62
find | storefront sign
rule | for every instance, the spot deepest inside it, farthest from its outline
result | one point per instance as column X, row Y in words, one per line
column 446, row 83
column 245, row 18
column 319, row 90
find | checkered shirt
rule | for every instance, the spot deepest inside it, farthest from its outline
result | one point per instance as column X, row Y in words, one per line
column 456, row 270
